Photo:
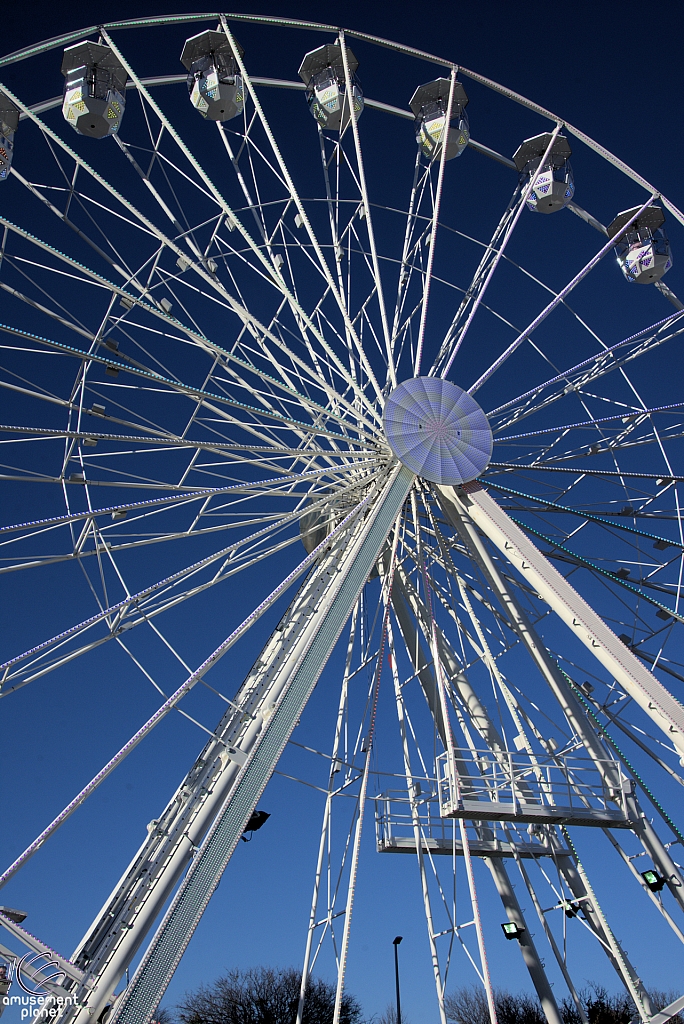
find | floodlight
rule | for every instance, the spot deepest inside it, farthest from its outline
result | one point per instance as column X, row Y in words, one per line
column 653, row 880
column 256, row 820
column 13, row 915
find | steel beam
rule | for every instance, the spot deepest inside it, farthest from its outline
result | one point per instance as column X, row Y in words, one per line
column 654, row 846
column 284, row 677
column 669, row 1011
column 525, row 940
column 457, row 513
column 643, row 687
column 457, row 509
column 449, row 847
column 403, row 598
column 537, row 813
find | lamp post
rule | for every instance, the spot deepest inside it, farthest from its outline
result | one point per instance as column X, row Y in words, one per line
column 395, row 943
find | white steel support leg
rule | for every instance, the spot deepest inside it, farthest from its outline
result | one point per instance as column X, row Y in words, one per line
column 282, row 680
column 578, row 883
column 634, row 986
column 325, row 827
column 351, row 891
column 654, row 846
column 415, row 818
column 549, row 935
column 480, row 717
column 458, row 513
column 562, row 598
column 525, row 940
column 653, row 897
column 451, row 762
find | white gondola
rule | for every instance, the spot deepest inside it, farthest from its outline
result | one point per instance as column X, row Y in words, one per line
column 94, row 90
column 214, row 84
column 554, row 184
column 643, row 251
column 430, row 106
column 322, row 71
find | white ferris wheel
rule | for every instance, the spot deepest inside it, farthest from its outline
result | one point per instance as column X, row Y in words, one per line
column 312, row 388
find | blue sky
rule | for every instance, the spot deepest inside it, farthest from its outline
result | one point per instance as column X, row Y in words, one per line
column 600, row 67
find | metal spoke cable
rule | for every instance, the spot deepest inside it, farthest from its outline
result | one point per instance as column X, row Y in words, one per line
column 119, row 608
column 453, row 774
column 427, row 281
column 307, row 224
column 522, row 202
column 595, row 366
column 364, row 788
column 349, row 100
column 173, row 700
column 476, row 285
column 556, row 301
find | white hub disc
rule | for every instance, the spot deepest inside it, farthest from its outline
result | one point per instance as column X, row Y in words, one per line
column 437, row 430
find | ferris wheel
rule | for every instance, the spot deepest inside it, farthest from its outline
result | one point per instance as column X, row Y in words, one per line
column 286, row 365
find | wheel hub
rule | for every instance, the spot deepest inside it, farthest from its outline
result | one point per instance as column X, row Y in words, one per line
column 437, row 430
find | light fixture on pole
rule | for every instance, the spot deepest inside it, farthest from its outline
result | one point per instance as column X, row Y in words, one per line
column 395, row 943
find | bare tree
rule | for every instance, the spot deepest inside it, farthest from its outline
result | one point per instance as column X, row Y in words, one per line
column 263, row 995
column 469, row 1006
column 600, row 1007
column 163, row 1016
column 389, row 1015
column 618, row 1008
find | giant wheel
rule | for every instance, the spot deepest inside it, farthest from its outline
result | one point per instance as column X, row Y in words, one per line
column 348, row 407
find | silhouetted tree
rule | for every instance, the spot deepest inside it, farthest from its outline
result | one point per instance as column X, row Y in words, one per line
column 618, row 1008
column 600, row 1007
column 262, row 995
column 163, row 1016
column 469, row 1006
column 389, row 1015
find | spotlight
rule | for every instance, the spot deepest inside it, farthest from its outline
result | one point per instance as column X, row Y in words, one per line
column 256, row 820
column 511, row 930
column 653, row 880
